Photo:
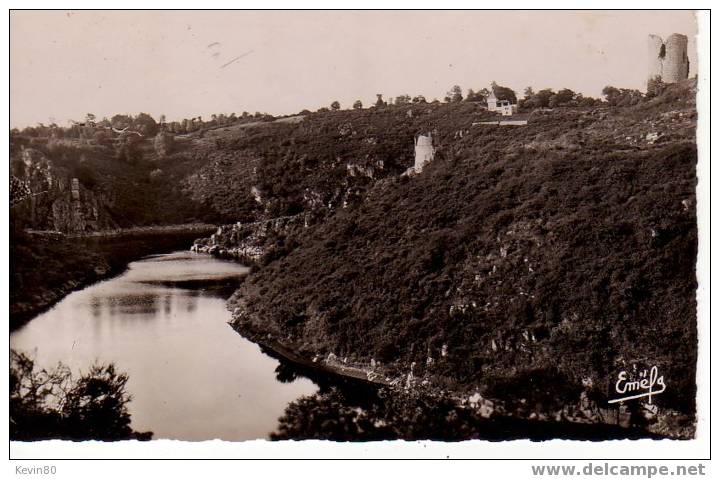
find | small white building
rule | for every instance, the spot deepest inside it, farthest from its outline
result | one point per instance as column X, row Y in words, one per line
column 504, row 107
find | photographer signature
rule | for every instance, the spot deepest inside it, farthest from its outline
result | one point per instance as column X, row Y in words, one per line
column 644, row 386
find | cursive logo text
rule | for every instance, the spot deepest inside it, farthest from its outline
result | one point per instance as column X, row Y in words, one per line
column 647, row 384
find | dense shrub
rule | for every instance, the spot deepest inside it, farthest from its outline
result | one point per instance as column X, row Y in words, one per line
column 50, row 404
column 350, row 414
column 555, row 247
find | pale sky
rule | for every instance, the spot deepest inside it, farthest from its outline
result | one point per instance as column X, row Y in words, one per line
column 189, row 63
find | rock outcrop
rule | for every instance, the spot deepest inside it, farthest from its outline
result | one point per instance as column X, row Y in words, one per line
column 249, row 243
column 53, row 200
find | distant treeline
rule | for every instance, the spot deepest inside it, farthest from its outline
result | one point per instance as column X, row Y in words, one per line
column 145, row 125
column 545, row 98
column 139, row 125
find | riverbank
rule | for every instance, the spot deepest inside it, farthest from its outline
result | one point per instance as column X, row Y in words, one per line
column 142, row 231
column 583, row 417
column 44, row 268
column 130, row 232
column 221, row 386
column 315, row 365
column 252, row 243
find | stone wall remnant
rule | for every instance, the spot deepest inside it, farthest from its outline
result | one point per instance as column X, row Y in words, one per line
column 668, row 60
column 424, row 151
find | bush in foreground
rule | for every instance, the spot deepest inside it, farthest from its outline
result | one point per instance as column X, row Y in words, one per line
column 49, row 404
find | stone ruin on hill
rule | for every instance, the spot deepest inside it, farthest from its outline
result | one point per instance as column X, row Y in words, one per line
column 668, row 60
column 424, row 151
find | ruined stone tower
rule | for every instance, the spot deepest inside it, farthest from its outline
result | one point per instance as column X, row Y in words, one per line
column 424, row 151
column 668, row 60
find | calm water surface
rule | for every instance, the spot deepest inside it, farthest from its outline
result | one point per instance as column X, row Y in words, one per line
column 164, row 322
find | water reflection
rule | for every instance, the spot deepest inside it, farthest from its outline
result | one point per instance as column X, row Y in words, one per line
column 286, row 373
column 164, row 322
column 140, row 304
column 167, row 304
column 347, row 409
column 190, row 304
column 96, row 306
column 357, row 412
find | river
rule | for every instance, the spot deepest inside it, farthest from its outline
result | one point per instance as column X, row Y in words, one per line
column 193, row 378
column 164, row 322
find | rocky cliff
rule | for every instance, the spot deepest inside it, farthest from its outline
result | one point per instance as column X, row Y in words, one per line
column 56, row 201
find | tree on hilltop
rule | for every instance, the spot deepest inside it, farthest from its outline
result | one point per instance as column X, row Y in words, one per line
column 476, row 96
column 454, row 95
column 121, row 121
column 540, row 99
column 402, row 99
column 145, row 125
column 504, row 93
column 563, row 97
column 621, row 96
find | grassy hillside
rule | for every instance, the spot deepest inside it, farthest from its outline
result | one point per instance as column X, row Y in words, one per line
column 521, row 260
column 205, row 176
column 296, row 164
column 315, row 163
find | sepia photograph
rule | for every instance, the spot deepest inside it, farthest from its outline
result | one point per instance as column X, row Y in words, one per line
column 354, row 226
